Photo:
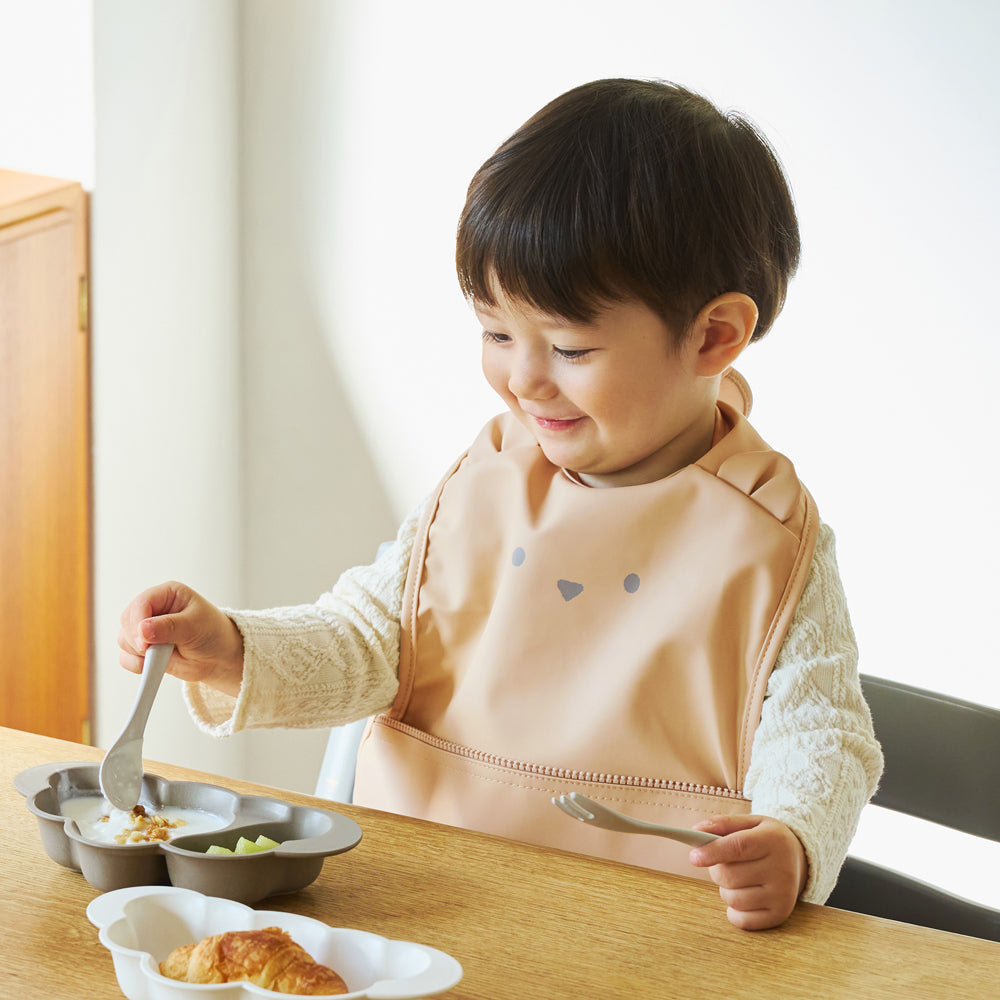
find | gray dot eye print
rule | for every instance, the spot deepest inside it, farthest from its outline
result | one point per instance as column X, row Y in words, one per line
column 570, row 588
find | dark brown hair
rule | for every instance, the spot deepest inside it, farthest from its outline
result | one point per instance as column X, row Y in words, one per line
column 630, row 189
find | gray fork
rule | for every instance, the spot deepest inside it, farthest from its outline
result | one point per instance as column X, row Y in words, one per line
column 588, row 811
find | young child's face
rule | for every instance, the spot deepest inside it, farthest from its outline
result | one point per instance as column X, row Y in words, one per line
column 612, row 400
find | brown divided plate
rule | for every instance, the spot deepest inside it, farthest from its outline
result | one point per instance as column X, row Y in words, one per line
column 306, row 836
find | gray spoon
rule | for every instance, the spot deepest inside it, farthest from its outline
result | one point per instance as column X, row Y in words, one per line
column 121, row 770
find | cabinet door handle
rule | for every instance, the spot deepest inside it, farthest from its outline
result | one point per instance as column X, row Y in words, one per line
column 83, row 304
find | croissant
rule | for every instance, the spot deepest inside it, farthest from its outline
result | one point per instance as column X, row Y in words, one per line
column 269, row 958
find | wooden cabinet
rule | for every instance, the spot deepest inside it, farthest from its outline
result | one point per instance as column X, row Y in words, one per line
column 45, row 491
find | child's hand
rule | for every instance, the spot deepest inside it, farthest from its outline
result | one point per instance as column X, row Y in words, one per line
column 207, row 644
column 759, row 866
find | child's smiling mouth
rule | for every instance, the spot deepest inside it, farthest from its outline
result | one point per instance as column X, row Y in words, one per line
column 555, row 424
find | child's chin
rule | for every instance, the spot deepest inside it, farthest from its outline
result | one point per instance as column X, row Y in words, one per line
column 560, row 459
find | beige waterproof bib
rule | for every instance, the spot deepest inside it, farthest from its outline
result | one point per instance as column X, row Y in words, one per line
column 616, row 642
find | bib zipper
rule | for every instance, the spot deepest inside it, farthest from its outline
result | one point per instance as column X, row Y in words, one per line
column 545, row 771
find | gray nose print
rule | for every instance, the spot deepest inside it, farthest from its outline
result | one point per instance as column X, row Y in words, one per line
column 570, row 588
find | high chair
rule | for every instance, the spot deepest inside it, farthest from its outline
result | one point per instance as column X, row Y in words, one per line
column 336, row 773
column 942, row 763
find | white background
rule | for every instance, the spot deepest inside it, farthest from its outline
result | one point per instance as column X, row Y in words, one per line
column 283, row 364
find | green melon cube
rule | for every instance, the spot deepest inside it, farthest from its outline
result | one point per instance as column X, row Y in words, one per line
column 244, row 846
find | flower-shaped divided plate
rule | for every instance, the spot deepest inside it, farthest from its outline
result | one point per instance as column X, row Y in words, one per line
column 141, row 926
column 305, row 836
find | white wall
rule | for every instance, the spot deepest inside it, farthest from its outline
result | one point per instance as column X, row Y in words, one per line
column 167, row 382
column 46, row 89
column 313, row 500
column 349, row 362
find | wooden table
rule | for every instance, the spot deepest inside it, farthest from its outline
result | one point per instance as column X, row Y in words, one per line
column 524, row 922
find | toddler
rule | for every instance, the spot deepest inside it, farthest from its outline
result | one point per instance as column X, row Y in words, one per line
column 620, row 588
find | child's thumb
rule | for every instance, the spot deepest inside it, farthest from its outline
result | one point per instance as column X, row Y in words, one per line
column 161, row 629
column 724, row 825
column 721, row 851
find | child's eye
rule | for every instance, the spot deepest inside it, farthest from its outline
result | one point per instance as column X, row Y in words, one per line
column 571, row 355
column 492, row 337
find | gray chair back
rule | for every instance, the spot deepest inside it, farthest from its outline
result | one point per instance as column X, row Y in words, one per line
column 942, row 763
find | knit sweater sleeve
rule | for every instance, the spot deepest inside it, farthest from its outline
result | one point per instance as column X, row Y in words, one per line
column 815, row 761
column 317, row 665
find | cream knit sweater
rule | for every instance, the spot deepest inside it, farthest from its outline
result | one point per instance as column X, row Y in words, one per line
column 815, row 760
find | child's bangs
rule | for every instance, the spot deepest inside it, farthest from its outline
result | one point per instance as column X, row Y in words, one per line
column 533, row 246
column 572, row 294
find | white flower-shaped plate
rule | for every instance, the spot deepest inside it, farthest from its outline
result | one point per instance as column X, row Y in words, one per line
column 141, row 925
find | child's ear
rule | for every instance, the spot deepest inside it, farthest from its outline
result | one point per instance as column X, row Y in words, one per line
column 722, row 329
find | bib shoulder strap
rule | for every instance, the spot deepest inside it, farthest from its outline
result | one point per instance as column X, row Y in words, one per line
column 780, row 624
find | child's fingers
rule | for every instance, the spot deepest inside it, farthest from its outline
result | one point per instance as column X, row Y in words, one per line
column 129, row 656
column 163, row 599
column 754, row 901
column 168, row 612
column 747, row 899
column 750, row 917
column 736, row 843
column 759, row 903
column 742, row 875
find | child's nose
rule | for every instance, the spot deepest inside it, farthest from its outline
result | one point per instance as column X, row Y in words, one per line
column 529, row 377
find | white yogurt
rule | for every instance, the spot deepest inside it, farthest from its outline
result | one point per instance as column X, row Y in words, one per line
column 99, row 821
